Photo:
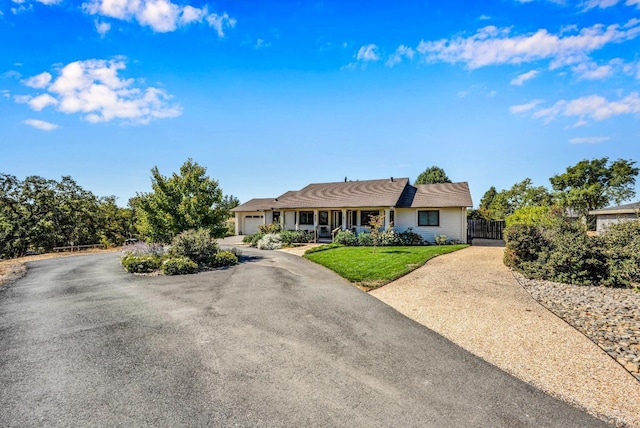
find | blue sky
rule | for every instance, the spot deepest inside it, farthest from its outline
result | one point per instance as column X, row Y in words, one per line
column 271, row 96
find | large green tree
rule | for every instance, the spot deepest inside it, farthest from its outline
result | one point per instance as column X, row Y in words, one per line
column 188, row 200
column 40, row 214
column 431, row 175
column 594, row 184
column 498, row 205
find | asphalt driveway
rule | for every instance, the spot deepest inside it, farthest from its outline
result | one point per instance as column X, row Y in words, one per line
column 274, row 341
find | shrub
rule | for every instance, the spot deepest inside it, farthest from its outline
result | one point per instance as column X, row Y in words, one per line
column 198, row 245
column 224, row 258
column 346, row 237
column 269, row 228
column 622, row 249
column 365, row 239
column 140, row 248
column 524, row 243
column 141, row 264
column 270, row 241
column 409, row 237
column 575, row 257
column 533, row 216
column 289, row 237
column 252, row 240
column 440, row 239
column 179, row 266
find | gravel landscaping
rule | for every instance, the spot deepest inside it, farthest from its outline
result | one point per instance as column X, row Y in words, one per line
column 610, row 317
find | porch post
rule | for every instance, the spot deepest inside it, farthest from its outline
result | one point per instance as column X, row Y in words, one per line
column 296, row 214
column 387, row 218
column 237, row 223
column 344, row 219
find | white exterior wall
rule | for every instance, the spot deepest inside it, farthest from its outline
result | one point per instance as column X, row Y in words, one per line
column 453, row 223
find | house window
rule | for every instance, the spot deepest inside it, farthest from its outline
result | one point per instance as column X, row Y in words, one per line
column 276, row 217
column 392, row 217
column 364, row 217
column 306, row 217
column 428, row 218
column 323, row 217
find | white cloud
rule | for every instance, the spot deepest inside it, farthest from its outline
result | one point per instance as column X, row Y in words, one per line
column 94, row 90
column 588, row 108
column 588, row 140
column 41, row 101
column 102, row 27
column 41, row 124
column 523, row 108
column 484, row 17
column 368, row 53
column 161, row 15
column 494, row 46
column 39, row 81
column 593, row 71
column 400, row 53
column 604, row 4
column 518, row 81
column 260, row 43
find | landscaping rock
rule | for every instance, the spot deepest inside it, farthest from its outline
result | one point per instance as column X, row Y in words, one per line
column 610, row 317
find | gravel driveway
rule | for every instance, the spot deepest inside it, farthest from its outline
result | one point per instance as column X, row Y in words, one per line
column 274, row 341
column 472, row 299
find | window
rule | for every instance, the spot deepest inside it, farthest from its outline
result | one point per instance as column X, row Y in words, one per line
column 392, row 217
column 428, row 218
column 306, row 217
column 364, row 217
column 276, row 216
column 323, row 217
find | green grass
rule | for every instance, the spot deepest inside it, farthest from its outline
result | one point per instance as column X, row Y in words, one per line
column 369, row 269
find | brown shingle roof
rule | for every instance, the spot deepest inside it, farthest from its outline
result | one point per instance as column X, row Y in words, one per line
column 369, row 193
column 258, row 204
column 442, row 195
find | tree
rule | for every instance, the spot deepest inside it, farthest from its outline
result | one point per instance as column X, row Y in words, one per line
column 432, row 175
column 505, row 202
column 189, row 200
column 593, row 184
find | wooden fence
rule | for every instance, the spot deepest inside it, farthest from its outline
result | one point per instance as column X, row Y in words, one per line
column 78, row 247
column 484, row 229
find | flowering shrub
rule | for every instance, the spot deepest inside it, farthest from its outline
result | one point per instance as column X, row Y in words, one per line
column 270, row 241
column 346, row 237
column 365, row 239
column 440, row 239
column 141, row 248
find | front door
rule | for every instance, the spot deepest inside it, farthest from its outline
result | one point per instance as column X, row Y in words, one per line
column 336, row 219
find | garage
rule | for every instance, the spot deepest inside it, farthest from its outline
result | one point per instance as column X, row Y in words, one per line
column 251, row 223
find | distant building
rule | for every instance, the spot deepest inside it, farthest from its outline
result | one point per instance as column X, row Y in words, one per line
column 607, row 216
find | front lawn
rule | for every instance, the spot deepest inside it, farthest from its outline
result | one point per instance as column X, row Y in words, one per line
column 369, row 269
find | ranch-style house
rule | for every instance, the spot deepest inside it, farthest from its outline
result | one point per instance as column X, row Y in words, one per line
column 323, row 208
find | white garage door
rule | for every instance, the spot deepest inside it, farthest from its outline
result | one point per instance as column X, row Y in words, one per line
column 251, row 223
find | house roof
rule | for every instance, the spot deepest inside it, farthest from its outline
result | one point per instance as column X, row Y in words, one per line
column 369, row 193
column 620, row 209
column 258, row 204
column 442, row 195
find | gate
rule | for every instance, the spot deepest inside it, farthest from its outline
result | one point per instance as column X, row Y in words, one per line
column 484, row 229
